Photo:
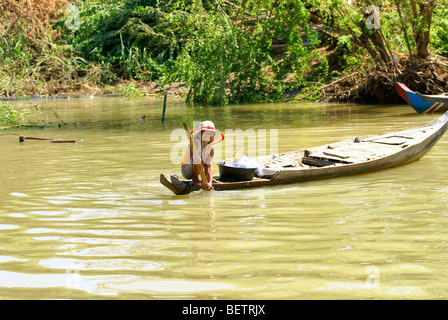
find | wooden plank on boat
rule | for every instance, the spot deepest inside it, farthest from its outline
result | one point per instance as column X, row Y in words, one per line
column 328, row 157
column 281, row 161
column 392, row 140
column 364, row 151
column 269, row 173
column 333, row 154
column 317, row 162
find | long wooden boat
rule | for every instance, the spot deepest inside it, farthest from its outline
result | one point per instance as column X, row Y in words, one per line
column 422, row 103
column 348, row 157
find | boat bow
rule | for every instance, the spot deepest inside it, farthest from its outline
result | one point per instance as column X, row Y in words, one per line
column 420, row 102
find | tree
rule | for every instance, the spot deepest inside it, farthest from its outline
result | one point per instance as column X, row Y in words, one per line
column 365, row 21
column 422, row 12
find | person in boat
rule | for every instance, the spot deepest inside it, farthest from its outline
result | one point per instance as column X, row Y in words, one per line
column 203, row 139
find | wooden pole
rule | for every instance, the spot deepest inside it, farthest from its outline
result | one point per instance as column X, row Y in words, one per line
column 164, row 108
column 201, row 169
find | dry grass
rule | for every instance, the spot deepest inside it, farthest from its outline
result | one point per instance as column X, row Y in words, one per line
column 31, row 18
column 39, row 13
column 42, row 65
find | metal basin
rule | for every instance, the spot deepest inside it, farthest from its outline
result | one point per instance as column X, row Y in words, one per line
column 235, row 174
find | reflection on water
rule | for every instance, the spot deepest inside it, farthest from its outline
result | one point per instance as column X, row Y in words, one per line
column 91, row 220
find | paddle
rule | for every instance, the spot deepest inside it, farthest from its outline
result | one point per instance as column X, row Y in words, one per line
column 201, row 169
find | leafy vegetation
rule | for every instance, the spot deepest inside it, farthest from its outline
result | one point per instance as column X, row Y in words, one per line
column 223, row 51
column 130, row 92
column 8, row 115
column 28, row 116
column 219, row 49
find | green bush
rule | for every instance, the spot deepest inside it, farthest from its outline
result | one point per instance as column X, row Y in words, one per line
column 205, row 44
column 8, row 115
column 439, row 31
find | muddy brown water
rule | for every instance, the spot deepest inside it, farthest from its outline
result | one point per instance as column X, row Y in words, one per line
column 90, row 220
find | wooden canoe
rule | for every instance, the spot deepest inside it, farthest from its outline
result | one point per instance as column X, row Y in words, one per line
column 422, row 103
column 348, row 157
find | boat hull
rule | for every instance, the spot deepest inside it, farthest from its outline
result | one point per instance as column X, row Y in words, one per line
column 386, row 151
column 420, row 102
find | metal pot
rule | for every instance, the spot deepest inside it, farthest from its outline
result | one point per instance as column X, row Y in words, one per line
column 235, row 174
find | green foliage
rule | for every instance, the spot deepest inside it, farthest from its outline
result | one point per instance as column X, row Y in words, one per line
column 232, row 65
column 223, row 50
column 28, row 115
column 404, row 26
column 223, row 65
column 133, row 37
column 205, row 44
column 439, row 31
column 130, row 92
column 8, row 115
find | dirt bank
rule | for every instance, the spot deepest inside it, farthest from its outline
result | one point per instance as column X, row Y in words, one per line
column 428, row 76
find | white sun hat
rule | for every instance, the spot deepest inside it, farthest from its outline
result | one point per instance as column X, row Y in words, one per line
column 210, row 126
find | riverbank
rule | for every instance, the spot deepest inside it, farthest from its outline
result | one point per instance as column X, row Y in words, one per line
column 225, row 53
column 125, row 89
column 429, row 76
